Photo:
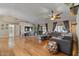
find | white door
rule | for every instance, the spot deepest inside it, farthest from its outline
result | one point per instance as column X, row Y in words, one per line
column 11, row 36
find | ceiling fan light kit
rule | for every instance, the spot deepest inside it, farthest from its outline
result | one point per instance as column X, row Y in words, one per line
column 56, row 16
column 52, row 18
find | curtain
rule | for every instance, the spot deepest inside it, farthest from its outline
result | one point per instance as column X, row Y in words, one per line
column 54, row 25
column 66, row 23
column 41, row 28
column 38, row 29
column 46, row 27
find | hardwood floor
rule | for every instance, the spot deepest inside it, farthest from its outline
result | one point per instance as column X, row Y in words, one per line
column 75, row 48
column 28, row 46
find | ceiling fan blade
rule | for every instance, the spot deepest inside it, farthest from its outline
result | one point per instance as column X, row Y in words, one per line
column 59, row 14
column 57, row 17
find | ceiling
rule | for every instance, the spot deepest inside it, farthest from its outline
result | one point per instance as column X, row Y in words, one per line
column 34, row 12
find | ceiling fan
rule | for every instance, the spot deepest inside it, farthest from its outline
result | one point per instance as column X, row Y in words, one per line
column 54, row 16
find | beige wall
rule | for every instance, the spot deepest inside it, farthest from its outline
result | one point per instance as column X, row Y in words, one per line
column 4, row 31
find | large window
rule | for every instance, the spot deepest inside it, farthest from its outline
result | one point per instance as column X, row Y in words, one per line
column 28, row 28
column 44, row 30
column 60, row 27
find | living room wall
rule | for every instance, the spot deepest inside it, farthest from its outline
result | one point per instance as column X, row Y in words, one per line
column 3, row 29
